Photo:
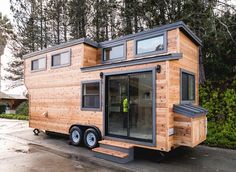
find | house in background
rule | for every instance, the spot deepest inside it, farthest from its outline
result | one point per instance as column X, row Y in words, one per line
column 9, row 102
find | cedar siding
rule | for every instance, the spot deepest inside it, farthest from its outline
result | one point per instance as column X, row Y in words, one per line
column 57, row 91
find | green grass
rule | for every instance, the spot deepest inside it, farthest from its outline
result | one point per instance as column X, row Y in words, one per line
column 14, row 116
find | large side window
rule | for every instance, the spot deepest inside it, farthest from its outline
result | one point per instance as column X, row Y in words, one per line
column 150, row 45
column 38, row 64
column 113, row 53
column 61, row 59
column 188, row 86
column 91, row 95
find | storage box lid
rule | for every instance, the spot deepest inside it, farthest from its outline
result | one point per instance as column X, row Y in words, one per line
column 189, row 110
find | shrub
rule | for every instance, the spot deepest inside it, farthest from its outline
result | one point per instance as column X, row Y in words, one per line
column 23, row 108
column 221, row 105
column 14, row 116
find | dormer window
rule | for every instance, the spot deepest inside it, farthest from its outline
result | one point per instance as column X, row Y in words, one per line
column 150, row 45
column 113, row 53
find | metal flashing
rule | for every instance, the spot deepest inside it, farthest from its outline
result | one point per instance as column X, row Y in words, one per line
column 137, row 61
column 189, row 110
column 60, row 46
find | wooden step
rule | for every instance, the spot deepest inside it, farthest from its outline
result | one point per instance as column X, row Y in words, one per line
column 117, row 144
column 110, row 152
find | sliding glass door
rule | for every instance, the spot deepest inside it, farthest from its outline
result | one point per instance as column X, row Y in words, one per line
column 129, row 104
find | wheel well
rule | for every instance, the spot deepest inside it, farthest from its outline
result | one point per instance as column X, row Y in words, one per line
column 85, row 127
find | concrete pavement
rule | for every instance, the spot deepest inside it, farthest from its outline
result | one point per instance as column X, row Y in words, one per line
column 21, row 150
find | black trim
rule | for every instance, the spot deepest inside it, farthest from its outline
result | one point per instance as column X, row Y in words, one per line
column 145, row 37
column 100, row 96
column 39, row 69
column 152, row 142
column 137, row 61
column 181, row 85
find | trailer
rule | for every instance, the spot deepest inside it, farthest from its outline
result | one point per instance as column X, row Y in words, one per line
column 139, row 90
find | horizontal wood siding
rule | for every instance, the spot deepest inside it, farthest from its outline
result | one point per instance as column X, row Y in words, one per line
column 188, row 62
column 58, row 91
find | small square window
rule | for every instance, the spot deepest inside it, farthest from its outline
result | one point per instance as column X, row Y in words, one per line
column 61, row 59
column 38, row 64
column 91, row 95
column 112, row 53
column 188, row 86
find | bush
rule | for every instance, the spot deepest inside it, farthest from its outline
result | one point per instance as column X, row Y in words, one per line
column 14, row 116
column 221, row 105
column 23, row 108
column 221, row 136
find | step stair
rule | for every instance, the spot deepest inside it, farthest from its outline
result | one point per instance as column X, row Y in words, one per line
column 115, row 151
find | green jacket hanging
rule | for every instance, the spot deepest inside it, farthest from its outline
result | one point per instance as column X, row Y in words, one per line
column 125, row 105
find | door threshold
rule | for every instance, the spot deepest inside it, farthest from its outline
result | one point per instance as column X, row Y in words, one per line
column 141, row 143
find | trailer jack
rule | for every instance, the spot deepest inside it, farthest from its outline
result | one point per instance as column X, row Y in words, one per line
column 36, row 131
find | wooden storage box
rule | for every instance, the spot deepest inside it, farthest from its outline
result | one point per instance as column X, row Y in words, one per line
column 190, row 130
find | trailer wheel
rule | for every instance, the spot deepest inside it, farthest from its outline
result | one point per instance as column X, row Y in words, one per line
column 91, row 138
column 76, row 135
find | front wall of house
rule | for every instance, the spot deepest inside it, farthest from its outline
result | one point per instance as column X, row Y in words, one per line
column 58, row 91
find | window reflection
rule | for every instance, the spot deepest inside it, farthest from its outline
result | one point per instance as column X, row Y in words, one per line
column 150, row 45
column 188, row 87
column 113, row 52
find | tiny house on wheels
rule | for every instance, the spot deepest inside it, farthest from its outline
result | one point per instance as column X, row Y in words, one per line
column 140, row 90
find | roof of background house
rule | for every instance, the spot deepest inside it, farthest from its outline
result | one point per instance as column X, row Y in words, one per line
column 12, row 96
column 166, row 27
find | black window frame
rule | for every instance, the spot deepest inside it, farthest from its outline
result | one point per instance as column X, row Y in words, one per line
column 141, row 38
column 181, row 86
column 82, row 96
column 105, row 46
column 39, row 69
column 59, row 54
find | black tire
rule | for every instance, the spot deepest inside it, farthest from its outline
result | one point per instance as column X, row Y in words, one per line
column 49, row 133
column 76, row 135
column 91, row 138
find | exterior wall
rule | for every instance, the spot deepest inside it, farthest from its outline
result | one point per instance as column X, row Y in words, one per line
column 189, row 62
column 92, row 56
column 58, row 91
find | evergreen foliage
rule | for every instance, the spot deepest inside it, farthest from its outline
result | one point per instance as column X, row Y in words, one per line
column 23, row 108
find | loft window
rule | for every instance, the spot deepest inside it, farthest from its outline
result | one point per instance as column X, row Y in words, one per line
column 113, row 53
column 150, row 45
column 91, row 95
column 38, row 64
column 61, row 59
column 188, row 86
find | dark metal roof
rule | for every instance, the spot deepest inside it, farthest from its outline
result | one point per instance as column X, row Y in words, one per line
column 189, row 110
column 62, row 45
column 159, row 29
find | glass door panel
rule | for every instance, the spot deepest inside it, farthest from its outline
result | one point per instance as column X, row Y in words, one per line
column 140, row 111
column 129, row 106
column 117, row 105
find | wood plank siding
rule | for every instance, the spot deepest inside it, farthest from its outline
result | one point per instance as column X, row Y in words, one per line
column 57, row 91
